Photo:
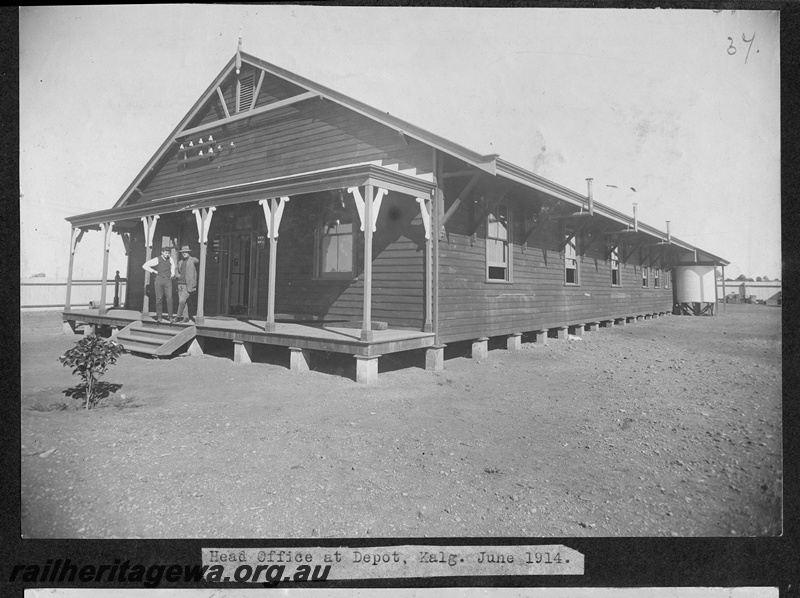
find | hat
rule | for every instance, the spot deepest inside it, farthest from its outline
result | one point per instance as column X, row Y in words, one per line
column 186, row 249
column 166, row 248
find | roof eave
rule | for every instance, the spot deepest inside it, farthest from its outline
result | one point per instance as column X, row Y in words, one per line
column 341, row 177
column 516, row 173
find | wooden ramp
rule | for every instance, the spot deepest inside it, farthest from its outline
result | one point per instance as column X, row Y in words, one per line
column 156, row 339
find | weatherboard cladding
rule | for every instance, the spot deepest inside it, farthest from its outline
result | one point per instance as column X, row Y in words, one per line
column 308, row 136
column 397, row 272
column 470, row 307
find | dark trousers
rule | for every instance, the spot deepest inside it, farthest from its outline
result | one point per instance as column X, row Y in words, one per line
column 183, row 300
column 163, row 288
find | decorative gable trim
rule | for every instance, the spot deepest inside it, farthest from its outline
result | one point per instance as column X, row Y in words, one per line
column 250, row 113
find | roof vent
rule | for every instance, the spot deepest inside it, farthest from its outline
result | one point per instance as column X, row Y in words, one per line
column 246, row 89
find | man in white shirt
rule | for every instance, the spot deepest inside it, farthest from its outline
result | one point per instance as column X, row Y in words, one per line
column 164, row 268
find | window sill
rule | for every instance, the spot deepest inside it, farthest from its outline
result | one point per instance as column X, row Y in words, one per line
column 495, row 281
column 345, row 278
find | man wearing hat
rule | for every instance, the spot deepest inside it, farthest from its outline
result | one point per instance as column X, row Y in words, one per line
column 164, row 268
column 187, row 281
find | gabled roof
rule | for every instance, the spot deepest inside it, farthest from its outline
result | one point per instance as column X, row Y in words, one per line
column 481, row 161
column 491, row 164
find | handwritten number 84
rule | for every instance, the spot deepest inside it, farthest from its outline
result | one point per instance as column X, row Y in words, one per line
column 732, row 48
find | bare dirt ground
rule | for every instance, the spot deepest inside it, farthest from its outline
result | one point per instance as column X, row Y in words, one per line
column 668, row 427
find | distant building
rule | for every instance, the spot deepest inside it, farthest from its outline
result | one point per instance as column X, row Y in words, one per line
column 751, row 292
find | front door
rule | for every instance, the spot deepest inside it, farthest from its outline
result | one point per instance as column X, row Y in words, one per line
column 238, row 273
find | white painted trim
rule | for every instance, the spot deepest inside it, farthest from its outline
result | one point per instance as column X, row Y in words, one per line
column 146, row 229
column 77, row 233
column 268, row 214
column 359, row 204
column 108, row 226
column 279, row 213
column 264, row 203
column 202, row 218
column 207, row 222
column 229, row 118
column 153, row 222
column 257, row 91
column 224, row 105
column 149, row 225
column 199, row 221
column 377, row 207
column 426, row 217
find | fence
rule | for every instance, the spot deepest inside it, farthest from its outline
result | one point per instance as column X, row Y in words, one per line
column 51, row 293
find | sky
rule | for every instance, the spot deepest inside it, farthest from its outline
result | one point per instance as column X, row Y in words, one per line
column 681, row 105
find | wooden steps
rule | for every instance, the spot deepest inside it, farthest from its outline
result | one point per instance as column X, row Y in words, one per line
column 156, row 339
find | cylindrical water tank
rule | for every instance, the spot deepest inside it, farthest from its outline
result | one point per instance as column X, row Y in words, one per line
column 695, row 284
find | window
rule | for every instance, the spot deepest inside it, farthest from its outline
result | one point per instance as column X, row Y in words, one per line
column 656, row 279
column 666, row 279
column 571, row 259
column 498, row 253
column 645, row 276
column 615, row 267
column 335, row 239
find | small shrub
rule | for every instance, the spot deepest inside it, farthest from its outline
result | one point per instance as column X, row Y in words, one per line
column 90, row 358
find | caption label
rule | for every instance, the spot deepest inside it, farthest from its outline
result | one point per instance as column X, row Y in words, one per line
column 233, row 564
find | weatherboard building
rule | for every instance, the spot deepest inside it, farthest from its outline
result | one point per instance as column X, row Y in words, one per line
column 324, row 224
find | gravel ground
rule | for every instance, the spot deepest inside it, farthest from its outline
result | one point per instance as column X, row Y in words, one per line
column 668, row 427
